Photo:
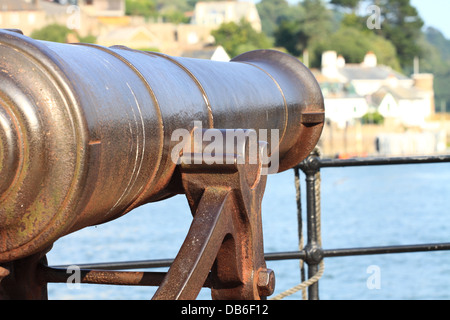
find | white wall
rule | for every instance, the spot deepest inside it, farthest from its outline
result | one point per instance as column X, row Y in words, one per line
column 345, row 110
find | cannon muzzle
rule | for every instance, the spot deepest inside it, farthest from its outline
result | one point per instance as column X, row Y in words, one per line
column 86, row 131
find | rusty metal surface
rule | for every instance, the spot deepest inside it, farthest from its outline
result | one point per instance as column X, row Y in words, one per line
column 226, row 233
column 223, row 249
column 22, row 279
column 129, row 278
column 85, row 131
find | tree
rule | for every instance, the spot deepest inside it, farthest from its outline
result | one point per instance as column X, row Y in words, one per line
column 353, row 44
column 275, row 12
column 316, row 22
column 239, row 38
column 402, row 25
column 305, row 32
column 436, row 60
column 52, row 32
column 145, row 8
column 290, row 36
column 435, row 38
column 351, row 4
column 59, row 33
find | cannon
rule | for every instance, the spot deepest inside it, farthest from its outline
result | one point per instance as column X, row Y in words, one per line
column 87, row 135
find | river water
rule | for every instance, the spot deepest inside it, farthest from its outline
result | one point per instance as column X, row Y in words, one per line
column 361, row 207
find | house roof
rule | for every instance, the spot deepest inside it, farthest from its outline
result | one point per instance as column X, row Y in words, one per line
column 18, row 5
column 358, row 72
column 321, row 78
column 398, row 93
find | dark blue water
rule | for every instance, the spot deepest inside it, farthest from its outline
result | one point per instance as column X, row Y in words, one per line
column 361, row 207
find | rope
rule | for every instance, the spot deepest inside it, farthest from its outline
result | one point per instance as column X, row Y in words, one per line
column 300, row 229
column 302, row 286
column 305, row 284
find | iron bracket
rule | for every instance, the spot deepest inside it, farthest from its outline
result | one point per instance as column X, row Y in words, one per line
column 225, row 240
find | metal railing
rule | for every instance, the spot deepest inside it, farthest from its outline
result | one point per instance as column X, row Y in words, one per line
column 312, row 254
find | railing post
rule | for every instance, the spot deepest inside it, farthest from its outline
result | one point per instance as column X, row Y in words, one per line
column 314, row 253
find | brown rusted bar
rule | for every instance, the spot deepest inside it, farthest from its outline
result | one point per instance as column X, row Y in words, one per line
column 86, row 132
column 128, row 278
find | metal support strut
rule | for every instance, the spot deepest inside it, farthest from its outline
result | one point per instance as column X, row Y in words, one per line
column 225, row 240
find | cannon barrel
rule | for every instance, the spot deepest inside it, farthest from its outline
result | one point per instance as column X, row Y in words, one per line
column 85, row 130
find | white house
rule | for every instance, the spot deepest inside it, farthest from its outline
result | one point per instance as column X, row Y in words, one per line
column 366, row 77
column 214, row 13
column 351, row 90
column 345, row 110
column 407, row 106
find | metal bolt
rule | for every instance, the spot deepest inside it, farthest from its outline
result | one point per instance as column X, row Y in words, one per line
column 266, row 282
column 314, row 254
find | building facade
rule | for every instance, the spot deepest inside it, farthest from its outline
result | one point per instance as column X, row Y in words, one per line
column 352, row 90
column 215, row 13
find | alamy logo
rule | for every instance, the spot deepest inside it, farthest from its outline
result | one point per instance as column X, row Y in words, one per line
column 374, row 280
column 214, row 146
column 74, row 19
column 374, row 20
column 74, row 280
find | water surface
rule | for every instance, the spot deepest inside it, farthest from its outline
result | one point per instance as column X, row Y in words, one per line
column 361, row 207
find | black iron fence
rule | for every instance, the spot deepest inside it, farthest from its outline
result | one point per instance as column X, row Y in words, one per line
column 312, row 254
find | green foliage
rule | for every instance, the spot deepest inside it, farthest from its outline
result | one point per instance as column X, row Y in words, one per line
column 352, row 4
column 53, row 32
column 439, row 42
column 401, row 25
column 436, row 60
column 174, row 16
column 88, row 39
column 239, row 38
column 353, row 44
column 149, row 49
column 288, row 35
column 275, row 12
column 354, row 21
column 145, row 8
column 372, row 118
column 59, row 33
column 312, row 25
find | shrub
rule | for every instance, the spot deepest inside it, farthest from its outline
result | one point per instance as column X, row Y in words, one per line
column 372, row 118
